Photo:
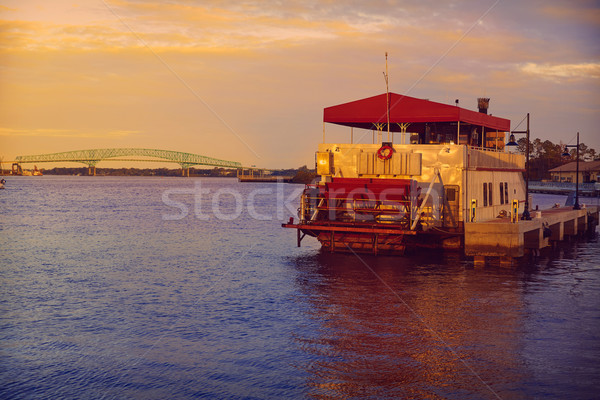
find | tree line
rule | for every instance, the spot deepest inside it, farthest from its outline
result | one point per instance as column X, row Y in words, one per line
column 214, row 172
column 546, row 155
column 300, row 175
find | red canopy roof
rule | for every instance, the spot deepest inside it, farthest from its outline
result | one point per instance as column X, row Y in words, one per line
column 365, row 113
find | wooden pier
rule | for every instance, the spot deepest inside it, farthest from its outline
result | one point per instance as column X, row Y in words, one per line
column 564, row 188
column 506, row 240
column 260, row 175
column 272, row 178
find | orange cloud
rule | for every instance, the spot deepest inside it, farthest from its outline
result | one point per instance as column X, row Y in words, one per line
column 126, row 25
column 264, row 68
column 63, row 133
column 579, row 14
column 563, row 71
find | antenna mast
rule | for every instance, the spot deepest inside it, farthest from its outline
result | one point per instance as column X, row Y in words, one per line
column 387, row 97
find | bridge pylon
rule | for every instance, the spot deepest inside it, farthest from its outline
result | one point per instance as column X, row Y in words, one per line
column 16, row 169
column 185, row 169
column 92, row 167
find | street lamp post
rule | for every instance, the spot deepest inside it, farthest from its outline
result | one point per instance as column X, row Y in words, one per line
column 566, row 154
column 512, row 142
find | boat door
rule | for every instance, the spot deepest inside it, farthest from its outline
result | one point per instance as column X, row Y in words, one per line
column 451, row 200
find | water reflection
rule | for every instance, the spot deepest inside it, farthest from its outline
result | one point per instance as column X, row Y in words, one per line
column 425, row 327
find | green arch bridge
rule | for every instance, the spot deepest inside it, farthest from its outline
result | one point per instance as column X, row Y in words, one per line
column 94, row 156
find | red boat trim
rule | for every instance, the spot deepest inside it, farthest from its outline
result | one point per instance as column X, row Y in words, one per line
column 312, row 227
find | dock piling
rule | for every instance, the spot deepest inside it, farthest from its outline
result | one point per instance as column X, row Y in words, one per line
column 502, row 239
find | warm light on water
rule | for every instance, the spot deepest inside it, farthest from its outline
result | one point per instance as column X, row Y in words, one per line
column 103, row 296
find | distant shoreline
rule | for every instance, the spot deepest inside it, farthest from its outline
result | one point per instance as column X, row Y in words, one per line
column 300, row 175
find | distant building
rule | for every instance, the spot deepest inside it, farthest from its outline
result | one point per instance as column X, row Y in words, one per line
column 589, row 171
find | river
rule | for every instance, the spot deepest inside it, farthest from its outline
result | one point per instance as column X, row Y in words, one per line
column 153, row 288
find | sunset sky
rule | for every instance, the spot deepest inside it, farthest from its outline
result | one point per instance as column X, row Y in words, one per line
column 248, row 80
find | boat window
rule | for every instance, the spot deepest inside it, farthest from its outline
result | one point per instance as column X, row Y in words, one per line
column 506, row 192
column 450, row 194
column 485, row 194
column 501, row 193
column 490, row 197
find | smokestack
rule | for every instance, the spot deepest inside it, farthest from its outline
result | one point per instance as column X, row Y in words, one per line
column 483, row 103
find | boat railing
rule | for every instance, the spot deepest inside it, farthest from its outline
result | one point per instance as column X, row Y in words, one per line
column 493, row 150
column 319, row 208
column 392, row 213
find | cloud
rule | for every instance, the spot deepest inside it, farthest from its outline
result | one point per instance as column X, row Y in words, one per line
column 64, row 133
column 563, row 71
column 182, row 25
column 578, row 14
column 270, row 66
column 127, row 25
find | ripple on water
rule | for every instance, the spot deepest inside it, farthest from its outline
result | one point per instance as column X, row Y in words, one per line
column 103, row 298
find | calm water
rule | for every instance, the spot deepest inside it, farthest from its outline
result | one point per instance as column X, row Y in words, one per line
column 159, row 288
